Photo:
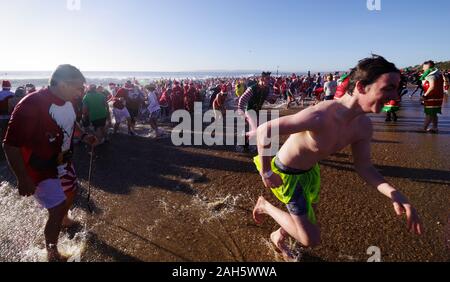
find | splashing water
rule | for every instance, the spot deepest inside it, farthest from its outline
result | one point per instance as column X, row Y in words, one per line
column 22, row 230
column 217, row 208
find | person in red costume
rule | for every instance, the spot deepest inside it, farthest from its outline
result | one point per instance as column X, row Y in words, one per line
column 433, row 86
column 219, row 102
column 190, row 97
column 38, row 147
column 177, row 97
column 165, row 102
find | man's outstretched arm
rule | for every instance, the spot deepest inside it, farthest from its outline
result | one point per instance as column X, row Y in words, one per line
column 365, row 168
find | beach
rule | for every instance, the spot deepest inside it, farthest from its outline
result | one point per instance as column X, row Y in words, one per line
column 155, row 202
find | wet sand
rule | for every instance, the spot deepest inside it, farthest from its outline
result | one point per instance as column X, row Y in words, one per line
column 156, row 202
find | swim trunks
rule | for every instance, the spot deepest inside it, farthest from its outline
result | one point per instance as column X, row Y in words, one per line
column 300, row 189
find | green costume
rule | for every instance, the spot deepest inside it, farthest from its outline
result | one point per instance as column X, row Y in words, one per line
column 96, row 104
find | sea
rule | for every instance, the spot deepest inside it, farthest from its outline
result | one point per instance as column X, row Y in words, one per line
column 40, row 78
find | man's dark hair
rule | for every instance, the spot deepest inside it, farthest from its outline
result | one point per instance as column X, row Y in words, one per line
column 20, row 92
column 266, row 73
column 369, row 70
column 430, row 63
column 66, row 73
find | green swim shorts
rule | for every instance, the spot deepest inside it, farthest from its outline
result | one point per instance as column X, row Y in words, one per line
column 308, row 181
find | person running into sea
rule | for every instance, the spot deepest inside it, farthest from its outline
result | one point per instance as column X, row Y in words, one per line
column 96, row 112
column 239, row 88
column 214, row 90
column 315, row 133
column 190, row 97
column 38, row 147
column 253, row 100
column 135, row 100
column 219, row 103
column 120, row 111
column 177, row 97
column 292, row 91
column 165, row 102
column 154, row 109
column 318, row 95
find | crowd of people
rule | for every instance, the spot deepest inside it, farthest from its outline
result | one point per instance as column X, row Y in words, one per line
column 38, row 128
column 155, row 102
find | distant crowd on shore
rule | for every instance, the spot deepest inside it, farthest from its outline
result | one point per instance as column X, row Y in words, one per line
column 132, row 101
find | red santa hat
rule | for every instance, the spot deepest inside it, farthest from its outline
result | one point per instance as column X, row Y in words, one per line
column 6, row 84
column 122, row 92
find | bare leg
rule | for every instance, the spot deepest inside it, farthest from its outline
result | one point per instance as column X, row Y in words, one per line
column 52, row 230
column 68, row 222
column 427, row 122
column 435, row 122
column 216, row 112
column 116, row 127
column 130, row 125
column 253, row 124
column 298, row 227
column 154, row 126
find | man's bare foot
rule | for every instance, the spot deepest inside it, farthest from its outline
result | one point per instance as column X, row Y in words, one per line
column 54, row 256
column 277, row 239
column 258, row 211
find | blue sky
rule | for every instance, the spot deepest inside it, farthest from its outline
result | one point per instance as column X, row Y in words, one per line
column 192, row 35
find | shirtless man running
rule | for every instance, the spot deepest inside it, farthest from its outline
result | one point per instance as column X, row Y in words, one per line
column 315, row 133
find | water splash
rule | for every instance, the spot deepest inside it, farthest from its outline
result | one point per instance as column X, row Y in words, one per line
column 22, row 230
column 216, row 208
